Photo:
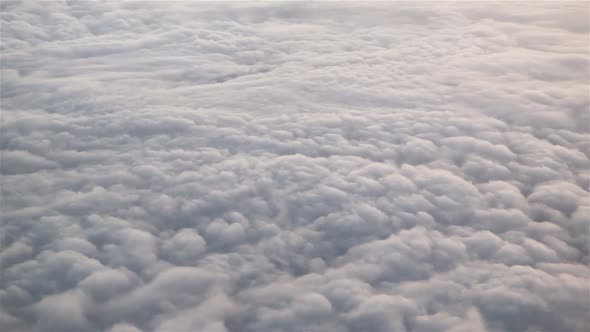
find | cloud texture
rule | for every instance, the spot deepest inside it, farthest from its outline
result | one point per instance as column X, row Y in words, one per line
column 294, row 167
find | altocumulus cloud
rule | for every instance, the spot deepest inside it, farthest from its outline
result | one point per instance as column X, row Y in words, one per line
column 294, row 167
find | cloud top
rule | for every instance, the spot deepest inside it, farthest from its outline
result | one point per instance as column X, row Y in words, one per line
column 294, row 167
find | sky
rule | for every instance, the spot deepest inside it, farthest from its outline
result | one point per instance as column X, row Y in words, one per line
column 294, row 167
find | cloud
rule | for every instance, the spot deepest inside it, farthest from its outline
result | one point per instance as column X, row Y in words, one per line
column 294, row 167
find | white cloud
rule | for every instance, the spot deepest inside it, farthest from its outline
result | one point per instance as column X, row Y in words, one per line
column 294, row 167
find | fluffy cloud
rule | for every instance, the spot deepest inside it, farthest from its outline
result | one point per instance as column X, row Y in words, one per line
column 294, row 167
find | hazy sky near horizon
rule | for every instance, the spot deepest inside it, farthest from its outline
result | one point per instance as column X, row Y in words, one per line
column 258, row 167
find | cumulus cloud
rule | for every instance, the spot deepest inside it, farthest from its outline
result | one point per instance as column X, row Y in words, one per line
column 294, row 167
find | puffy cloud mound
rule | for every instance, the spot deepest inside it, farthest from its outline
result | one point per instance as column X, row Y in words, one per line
column 294, row 167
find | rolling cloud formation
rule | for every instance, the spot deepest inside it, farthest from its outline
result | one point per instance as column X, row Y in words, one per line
column 294, row 167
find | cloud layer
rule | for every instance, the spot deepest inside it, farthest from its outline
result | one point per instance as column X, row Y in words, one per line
column 294, row 167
